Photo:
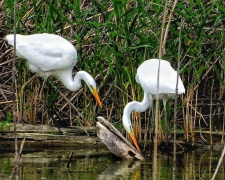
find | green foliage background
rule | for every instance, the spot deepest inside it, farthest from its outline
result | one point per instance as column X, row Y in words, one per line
column 114, row 37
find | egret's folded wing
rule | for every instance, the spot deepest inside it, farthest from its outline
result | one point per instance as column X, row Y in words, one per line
column 150, row 85
column 148, row 73
column 47, row 57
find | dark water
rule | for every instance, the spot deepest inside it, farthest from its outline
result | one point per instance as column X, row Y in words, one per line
column 93, row 164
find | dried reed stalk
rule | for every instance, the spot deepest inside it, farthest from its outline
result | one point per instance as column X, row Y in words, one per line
column 14, row 81
column 210, row 116
column 175, row 109
column 155, row 173
column 219, row 163
column 17, row 160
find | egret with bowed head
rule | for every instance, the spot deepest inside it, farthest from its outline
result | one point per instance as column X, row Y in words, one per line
column 52, row 55
column 147, row 74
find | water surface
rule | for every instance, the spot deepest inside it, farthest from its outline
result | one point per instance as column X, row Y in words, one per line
column 100, row 164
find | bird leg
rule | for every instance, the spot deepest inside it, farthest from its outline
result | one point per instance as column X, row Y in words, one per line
column 153, row 116
column 42, row 87
column 153, row 123
column 21, row 95
column 28, row 82
column 166, row 124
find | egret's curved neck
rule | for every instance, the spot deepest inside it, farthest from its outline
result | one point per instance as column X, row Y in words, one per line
column 136, row 106
column 73, row 84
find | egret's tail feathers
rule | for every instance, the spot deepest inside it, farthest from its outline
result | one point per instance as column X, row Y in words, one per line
column 10, row 38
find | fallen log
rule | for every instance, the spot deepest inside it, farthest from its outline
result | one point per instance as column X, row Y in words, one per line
column 115, row 141
column 40, row 137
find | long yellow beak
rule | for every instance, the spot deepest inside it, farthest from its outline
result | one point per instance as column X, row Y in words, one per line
column 97, row 97
column 134, row 140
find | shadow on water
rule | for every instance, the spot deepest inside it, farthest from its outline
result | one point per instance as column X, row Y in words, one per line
column 95, row 164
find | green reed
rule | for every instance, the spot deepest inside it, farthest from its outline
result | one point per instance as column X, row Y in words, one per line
column 114, row 37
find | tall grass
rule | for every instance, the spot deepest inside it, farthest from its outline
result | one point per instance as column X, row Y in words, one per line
column 112, row 39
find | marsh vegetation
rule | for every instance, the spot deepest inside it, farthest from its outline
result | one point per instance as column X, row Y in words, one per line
column 112, row 39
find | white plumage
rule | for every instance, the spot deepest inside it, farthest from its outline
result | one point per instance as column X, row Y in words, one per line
column 45, row 53
column 147, row 74
column 52, row 55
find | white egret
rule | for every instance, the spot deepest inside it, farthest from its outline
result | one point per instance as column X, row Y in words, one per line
column 52, row 55
column 147, row 74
